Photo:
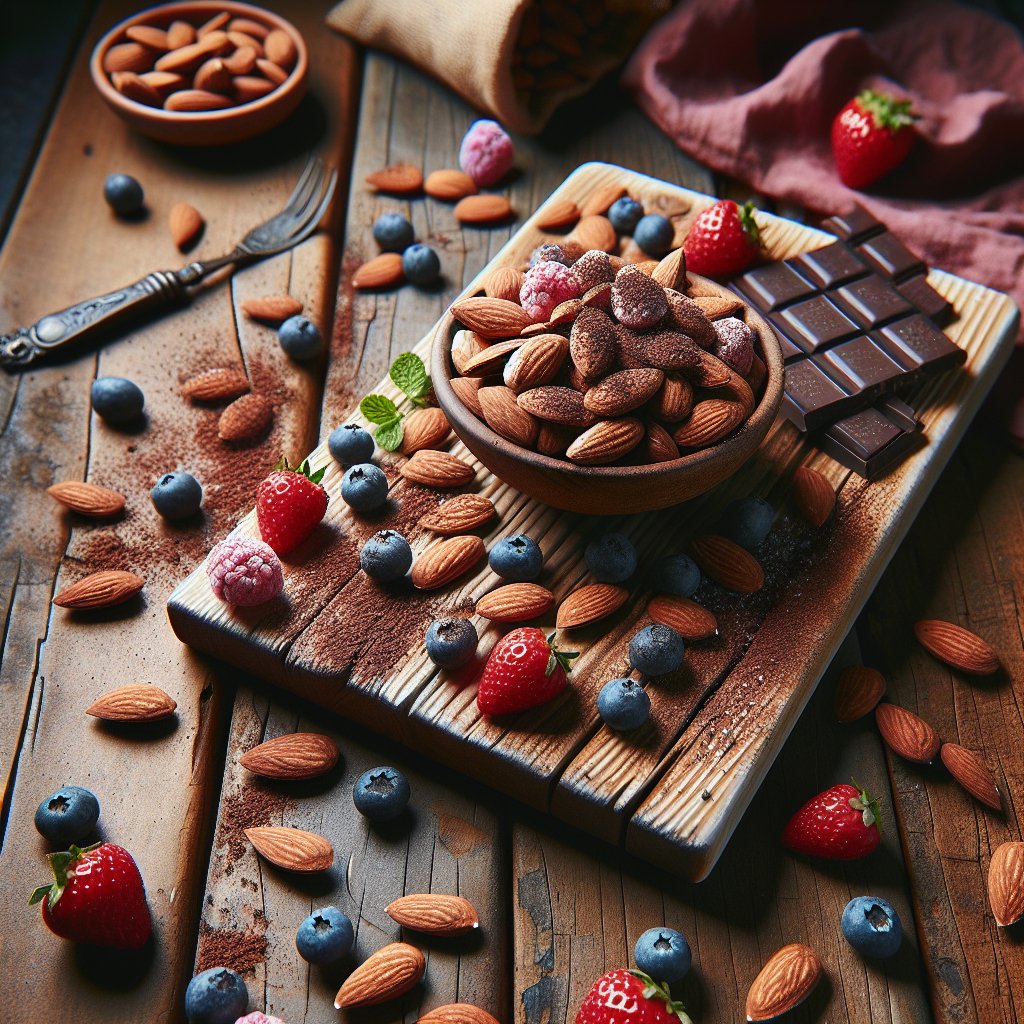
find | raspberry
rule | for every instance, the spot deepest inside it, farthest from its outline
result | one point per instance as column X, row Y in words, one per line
column 486, row 153
column 735, row 346
column 244, row 571
column 546, row 285
column 637, row 301
column 258, row 1017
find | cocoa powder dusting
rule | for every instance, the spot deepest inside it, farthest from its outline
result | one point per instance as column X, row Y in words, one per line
column 239, row 951
column 250, row 807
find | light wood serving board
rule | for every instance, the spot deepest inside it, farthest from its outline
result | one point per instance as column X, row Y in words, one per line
column 673, row 792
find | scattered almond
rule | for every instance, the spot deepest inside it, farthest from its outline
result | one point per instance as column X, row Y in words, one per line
column 434, row 913
column 245, row 419
column 957, row 647
column 689, row 619
column 972, row 773
column 1006, row 883
column 133, row 703
column 384, row 975
column 858, row 693
column 728, row 564
column 556, row 214
column 398, row 179
column 516, row 602
column 185, row 223
column 785, row 981
column 449, row 185
column 483, row 209
column 457, row 1013
column 491, row 318
column 425, row 428
column 437, row 469
column 906, row 734
column 87, row 499
column 273, row 309
column 102, row 589
column 297, row 755
column 589, row 604
column 446, row 561
column 459, row 514
column 291, row 849
column 504, row 283
column 383, row 271
column 814, row 495
column 215, row 385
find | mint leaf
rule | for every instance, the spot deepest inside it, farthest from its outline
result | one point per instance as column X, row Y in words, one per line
column 379, row 409
column 389, row 435
column 410, row 375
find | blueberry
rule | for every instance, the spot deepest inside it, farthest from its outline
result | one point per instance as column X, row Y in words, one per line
column 654, row 234
column 451, row 642
column 656, row 650
column 625, row 214
column 386, row 556
column 350, row 444
column 364, row 487
column 516, row 558
column 300, row 338
column 392, row 232
column 116, row 399
column 381, row 793
column 177, row 495
column 611, row 558
column 216, row 996
column 677, row 574
column 420, row 264
column 664, row 954
column 124, row 194
column 67, row 816
column 872, row 926
column 324, row 936
column 623, row 704
column 747, row 521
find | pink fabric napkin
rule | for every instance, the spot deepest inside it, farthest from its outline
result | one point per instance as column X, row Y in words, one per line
column 750, row 88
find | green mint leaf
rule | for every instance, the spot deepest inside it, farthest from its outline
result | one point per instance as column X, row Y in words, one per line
column 410, row 375
column 389, row 435
column 378, row 409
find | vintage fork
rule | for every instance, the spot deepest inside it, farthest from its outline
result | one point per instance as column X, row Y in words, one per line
column 296, row 221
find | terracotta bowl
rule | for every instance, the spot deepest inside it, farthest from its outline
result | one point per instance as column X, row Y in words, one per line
column 616, row 489
column 212, row 127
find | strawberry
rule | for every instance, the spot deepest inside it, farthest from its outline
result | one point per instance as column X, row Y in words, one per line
column 97, row 896
column 871, row 136
column 630, row 997
column 289, row 503
column 841, row 824
column 723, row 240
column 524, row 669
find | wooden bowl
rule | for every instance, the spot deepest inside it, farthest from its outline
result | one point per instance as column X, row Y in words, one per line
column 610, row 490
column 212, row 127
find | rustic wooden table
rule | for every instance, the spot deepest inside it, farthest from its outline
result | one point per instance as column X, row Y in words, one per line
column 557, row 911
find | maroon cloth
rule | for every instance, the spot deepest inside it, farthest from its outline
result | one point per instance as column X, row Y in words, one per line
column 750, row 88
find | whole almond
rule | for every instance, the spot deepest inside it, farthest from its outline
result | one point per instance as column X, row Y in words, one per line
column 87, row 499
column 446, row 561
column 398, row 179
column 270, row 71
column 384, row 975
column 250, row 87
column 133, row 703
column 906, row 734
column 659, row 445
column 814, row 495
column 437, row 469
column 279, row 47
column 214, row 24
column 245, row 419
column 215, row 385
column 708, row 423
column 738, row 390
column 185, row 223
column 164, row 82
column 606, row 441
column 491, row 359
column 128, row 57
column 467, row 390
column 686, row 316
column 711, row 372
column 272, row 309
column 689, row 619
column 555, row 438
column 601, row 199
column 535, row 363
column 554, row 404
column 858, row 692
column 671, row 271
column 425, row 428
column 243, row 60
column 491, row 318
column 465, row 345
column 434, row 913
column 1006, row 883
column 715, row 307
column 291, row 849
column 383, row 271
column 592, row 343
column 102, row 589
column 623, row 392
column 249, row 26
column 674, row 402
column 589, row 604
column 516, row 602
column 728, row 564
column 785, row 981
column 556, row 214
column 134, row 87
column 459, row 514
column 449, row 185
column 483, row 209
column 186, row 59
column 195, row 101
column 504, row 283
column 297, row 755
column 181, row 33
column 596, row 232
column 957, row 647
column 972, row 773
column 505, row 417
column 457, row 1013
column 213, row 75
column 149, row 35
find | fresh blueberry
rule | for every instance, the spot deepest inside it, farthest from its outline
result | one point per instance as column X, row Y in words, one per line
column 677, row 574
column 364, row 487
column 611, row 558
column 324, row 936
column 67, row 816
column 451, row 642
column 872, row 926
column 516, row 558
column 623, row 704
column 350, row 444
column 124, row 194
column 177, row 495
column 747, row 521
column 300, row 338
column 664, row 954
column 216, row 996
column 386, row 556
column 381, row 793
column 117, row 399
column 654, row 234
column 392, row 232
column 625, row 214
column 656, row 650
column 420, row 264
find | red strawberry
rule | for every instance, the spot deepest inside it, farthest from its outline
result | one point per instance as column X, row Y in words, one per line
column 871, row 136
column 841, row 824
column 525, row 669
column 723, row 240
column 630, row 997
column 289, row 503
column 97, row 896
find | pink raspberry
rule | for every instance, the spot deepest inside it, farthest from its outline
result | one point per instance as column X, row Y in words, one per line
column 244, row 571
column 486, row 153
column 735, row 345
column 547, row 284
column 258, row 1017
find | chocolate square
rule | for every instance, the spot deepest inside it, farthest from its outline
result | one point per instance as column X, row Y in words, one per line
column 782, row 332
column 871, row 301
column 936, row 307
column 889, row 256
column 860, row 365
column 872, row 441
column 816, row 323
column 899, row 412
column 919, row 346
column 865, row 432
column 774, row 285
column 830, row 265
column 854, row 226
column 811, row 398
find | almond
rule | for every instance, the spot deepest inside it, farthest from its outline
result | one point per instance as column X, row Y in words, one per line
column 505, row 417
column 279, row 47
column 459, row 514
column 674, row 402
column 185, row 59
column 647, row 267
column 491, row 318
column 729, row 565
column 685, row 315
column 601, row 294
column 516, row 602
column 457, row 1013
column 504, row 283
column 589, row 604
column 601, row 199
column 709, row 422
column 181, row 33
column 128, row 57
column 972, row 773
column 445, row 561
column 596, row 232
column 148, row 35
column 689, row 619
column 398, row 179
column 437, row 469
column 623, row 392
column 164, row 81
column 245, row 419
column 185, row 223
column 425, row 428
column 195, row 101
column 215, row 385
column 859, row 691
column 737, row 389
column 1006, row 883
column 906, row 734
column 241, row 63
column 134, row 87
column 785, row 981
column 491, row 359
column 249, row 27
column 291, row 849
column 137, row 702
column 957, row 647
column 606, row 441
column 218, row 21
column 467, row 390
column 213, row 76
column 556, row 214
column 250, row 87
column 465, row 345
column 298, row 755
column 102, row 589
column 659, row 444
column 711, row 372
column 434, row 913
column 814, row 495
column 87, row 499
column 554, row 438
column 383, row 271
column 386, row 974
column 270, row 71
column 556, row 405
column 483, row 209
column 449, row 185
column 536, row 362
column 715, row 307
column 671, row 271
column 592, row 343
column 273, row 309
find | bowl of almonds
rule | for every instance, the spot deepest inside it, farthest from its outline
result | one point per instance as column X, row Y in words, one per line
column 649, row 388
column 202, row 73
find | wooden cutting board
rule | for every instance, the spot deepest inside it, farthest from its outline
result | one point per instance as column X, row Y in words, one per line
column 674, row 791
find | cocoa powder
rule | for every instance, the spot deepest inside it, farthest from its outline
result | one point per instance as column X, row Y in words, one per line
column 252, row 806
column 239, row 951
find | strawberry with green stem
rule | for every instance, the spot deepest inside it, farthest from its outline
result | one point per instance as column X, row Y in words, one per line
column 871, row 136
column 630, row 997
column 524, row 670
column 723, row 240
column 842, row 823
column 289, row 504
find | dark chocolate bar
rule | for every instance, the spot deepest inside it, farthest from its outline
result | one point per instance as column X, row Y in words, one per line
column 872, row 441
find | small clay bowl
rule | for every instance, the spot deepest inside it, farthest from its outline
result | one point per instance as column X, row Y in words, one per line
column 616, row 489
column 209, row 127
